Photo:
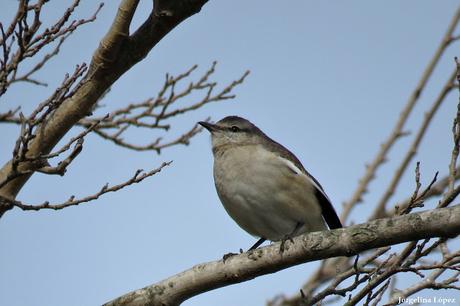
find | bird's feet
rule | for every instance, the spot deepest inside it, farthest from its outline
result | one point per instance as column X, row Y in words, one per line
column 290, row 236
column 283, row 242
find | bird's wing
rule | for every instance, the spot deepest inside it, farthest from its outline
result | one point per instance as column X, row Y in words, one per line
column 295, row 165
column 327, row 209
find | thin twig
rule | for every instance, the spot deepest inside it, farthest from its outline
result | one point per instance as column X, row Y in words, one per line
column 397, row 132
column 138, row 177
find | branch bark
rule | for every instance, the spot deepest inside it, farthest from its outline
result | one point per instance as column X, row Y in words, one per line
column 443, row 222
column 117, row 53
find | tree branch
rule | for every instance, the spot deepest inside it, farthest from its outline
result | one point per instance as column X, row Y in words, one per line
column 397, row 132
column 138, row 177
column 153, row 113
column 117, row 54
column 379, row 210
column 305, row 248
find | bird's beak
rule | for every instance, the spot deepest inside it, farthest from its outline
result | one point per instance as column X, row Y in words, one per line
column 209, row 126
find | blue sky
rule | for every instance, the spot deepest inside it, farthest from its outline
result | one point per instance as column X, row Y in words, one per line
column 328, row 80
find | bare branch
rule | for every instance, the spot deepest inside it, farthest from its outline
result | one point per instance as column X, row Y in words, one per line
column 379, row 210
column 41, row 161
column 61, row 168
column 154, row 112
column 430, row 281
column 456, row 135
column 397, row 132
column 21, row 41
column 406, row 258
column 10, row 115
column 138, row 177
column 24, row 163
column 27, row 76
column 156, row 145
column 417, row 198
column 77, row 138
column 112, row 59
column 355, row 271
column 436, row 189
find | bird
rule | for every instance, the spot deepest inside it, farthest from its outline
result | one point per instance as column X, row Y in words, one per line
column 263, row 186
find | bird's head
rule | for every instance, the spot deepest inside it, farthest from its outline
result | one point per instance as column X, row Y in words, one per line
column 233, row 131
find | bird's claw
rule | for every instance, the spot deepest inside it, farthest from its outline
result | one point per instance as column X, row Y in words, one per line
column 283, row 242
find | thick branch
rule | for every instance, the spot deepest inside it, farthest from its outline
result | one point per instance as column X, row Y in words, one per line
column 112, row 59
column 309, row 247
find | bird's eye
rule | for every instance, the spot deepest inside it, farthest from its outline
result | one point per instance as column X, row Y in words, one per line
column 234, row 128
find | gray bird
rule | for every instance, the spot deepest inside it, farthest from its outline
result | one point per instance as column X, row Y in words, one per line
column 263, row 186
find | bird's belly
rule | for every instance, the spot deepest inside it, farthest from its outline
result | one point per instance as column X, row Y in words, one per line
column 267, row 200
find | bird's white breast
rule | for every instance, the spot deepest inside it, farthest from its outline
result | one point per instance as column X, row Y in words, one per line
column 265, row 193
